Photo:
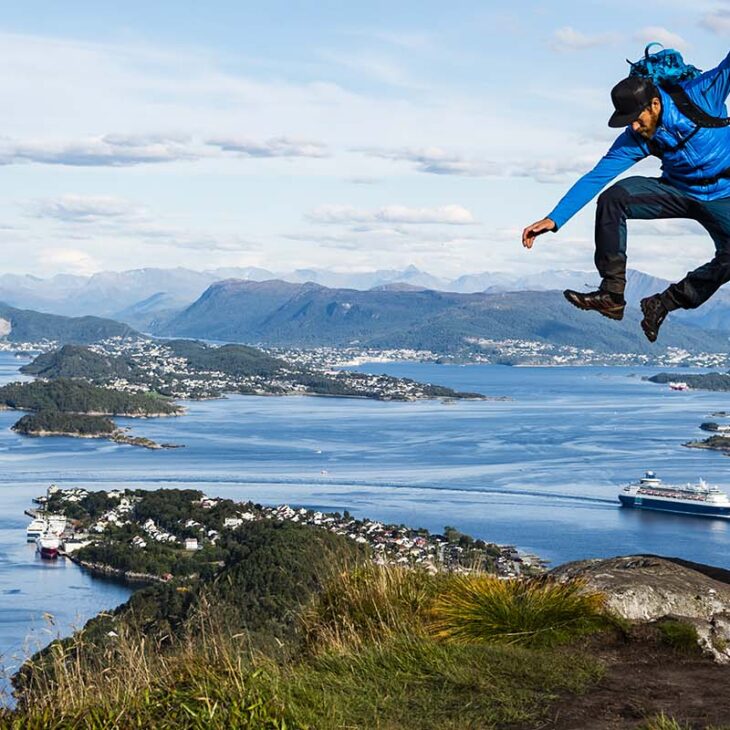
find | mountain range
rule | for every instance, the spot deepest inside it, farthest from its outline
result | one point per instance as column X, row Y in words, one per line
column 392, row 316
column 139, row 296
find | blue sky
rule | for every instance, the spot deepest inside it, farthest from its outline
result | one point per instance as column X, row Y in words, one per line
column 292, row 134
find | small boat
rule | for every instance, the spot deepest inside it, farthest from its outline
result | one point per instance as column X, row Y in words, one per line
column 679, row 385
column 48, row 546
column 35, row 529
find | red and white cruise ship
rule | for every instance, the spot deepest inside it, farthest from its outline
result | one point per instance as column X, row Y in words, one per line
column 48, row 545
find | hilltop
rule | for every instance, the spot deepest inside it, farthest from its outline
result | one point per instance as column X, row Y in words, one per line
column 23, row 325
column 278, row 624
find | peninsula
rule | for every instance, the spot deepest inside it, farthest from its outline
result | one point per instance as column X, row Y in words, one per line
column 183, row 534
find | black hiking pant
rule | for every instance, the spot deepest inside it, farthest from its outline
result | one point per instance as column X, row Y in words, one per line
column 649, row 198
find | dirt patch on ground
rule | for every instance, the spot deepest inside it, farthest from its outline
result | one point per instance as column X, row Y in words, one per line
column 644, row 678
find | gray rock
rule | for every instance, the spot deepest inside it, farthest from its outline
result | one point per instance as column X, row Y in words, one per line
column 647, row 589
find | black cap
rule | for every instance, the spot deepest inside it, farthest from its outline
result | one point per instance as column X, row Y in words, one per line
column 630, row 97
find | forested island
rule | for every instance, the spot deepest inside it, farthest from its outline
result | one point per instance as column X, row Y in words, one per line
column 715, row 443
column 190, row 369
column 704, row 381
column 59, row 423
column 66, row 407
column 78, row 425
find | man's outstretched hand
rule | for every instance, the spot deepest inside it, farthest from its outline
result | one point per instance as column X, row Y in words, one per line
column 537, row 229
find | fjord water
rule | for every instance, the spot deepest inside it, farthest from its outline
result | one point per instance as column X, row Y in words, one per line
column 540, row 470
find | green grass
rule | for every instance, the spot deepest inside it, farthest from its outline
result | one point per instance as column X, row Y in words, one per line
column 368, row 605
column 368, row 657
column 664, row 722
column 679, row 635
column 420, row 683
column 410, row 683
column 536, row 612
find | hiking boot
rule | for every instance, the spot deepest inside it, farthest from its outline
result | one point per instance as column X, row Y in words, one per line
column 654, row 313
column 603, row 302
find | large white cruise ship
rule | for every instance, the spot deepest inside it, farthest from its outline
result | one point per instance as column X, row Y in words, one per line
column 699, row 499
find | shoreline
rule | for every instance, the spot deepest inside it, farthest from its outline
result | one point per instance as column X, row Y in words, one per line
column 99, row 570
column 117, row 437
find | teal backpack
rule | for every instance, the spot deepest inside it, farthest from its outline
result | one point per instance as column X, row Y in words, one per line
column 666, row 69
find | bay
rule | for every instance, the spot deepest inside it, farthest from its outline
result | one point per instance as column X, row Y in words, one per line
column 540, row 470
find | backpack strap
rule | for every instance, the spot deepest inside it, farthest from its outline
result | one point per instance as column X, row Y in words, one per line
column 693, row 112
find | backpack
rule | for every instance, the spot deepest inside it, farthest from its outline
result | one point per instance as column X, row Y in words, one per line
column 663, row 67
column 666, row 69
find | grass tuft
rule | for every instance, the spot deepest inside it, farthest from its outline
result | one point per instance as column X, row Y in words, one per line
column 535, row 612
column 679, row 635
column 663, row 722
column 369, row 605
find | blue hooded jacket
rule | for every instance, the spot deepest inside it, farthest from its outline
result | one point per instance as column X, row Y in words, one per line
column 704, row 156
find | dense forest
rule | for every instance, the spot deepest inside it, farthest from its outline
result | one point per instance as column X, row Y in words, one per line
column 64, row 423
column 74, row 361
column 707, row 381
column 73, row 396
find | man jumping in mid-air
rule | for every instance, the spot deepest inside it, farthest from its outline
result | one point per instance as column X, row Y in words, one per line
column 683, row 127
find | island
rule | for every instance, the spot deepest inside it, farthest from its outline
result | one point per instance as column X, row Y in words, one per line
column 720, row 441
column 187, row 369
column 66, row 407
column 715, row 443
column 704, row 381
column 77, row 425
column 80, row 388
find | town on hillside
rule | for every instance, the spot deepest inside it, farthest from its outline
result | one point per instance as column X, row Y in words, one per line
column 172, row 370
column 166, row 533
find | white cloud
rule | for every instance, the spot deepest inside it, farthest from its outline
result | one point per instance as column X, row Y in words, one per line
column 108, row 150
column 717, row 21
column 70, row 260
column 177, row 237
column 100, row 217
column 570, row 39
column 662, row 35
column 554, row 170
column 126, row 150
column 435, row 160
column 85, row 208
column 668, row 228
column 393, row 240
column 445, row 214
column 274, row 147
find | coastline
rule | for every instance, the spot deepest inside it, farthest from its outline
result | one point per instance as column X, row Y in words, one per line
column 117, row 437
column 106, row 571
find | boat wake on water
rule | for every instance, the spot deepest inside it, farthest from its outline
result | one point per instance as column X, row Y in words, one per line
column 157, row 483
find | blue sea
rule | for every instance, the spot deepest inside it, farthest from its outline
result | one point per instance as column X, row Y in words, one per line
column 540, row 470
